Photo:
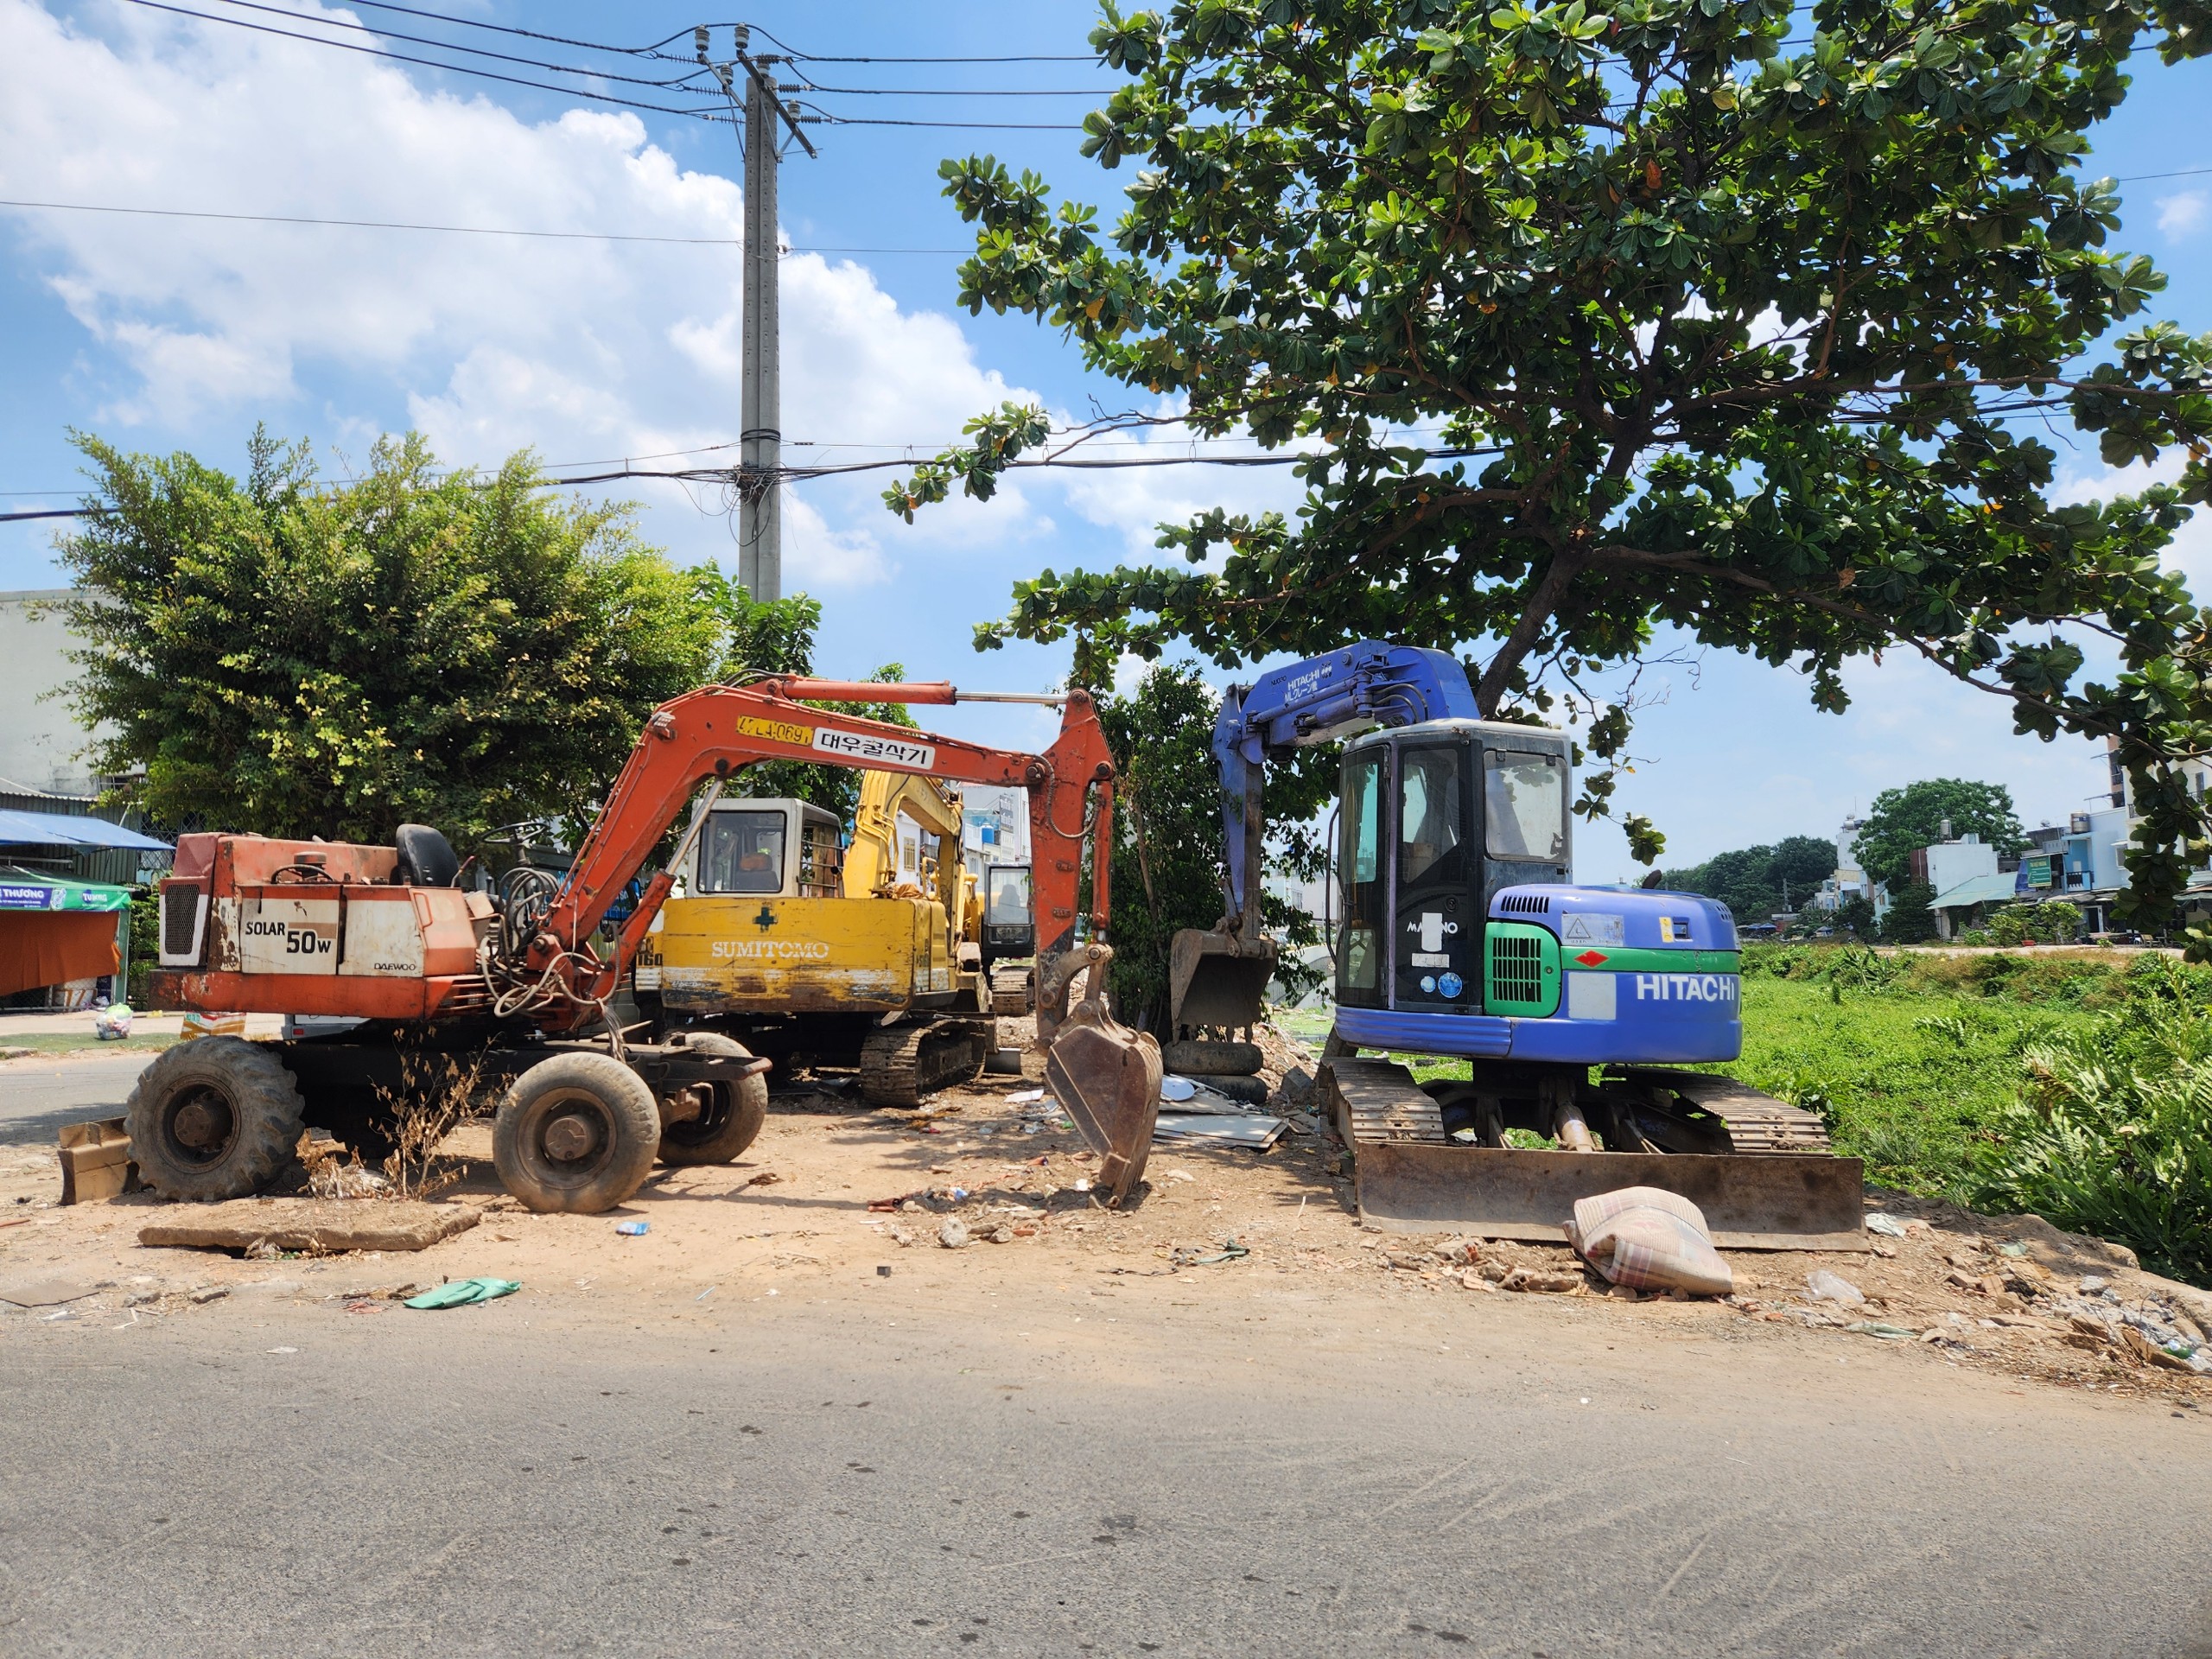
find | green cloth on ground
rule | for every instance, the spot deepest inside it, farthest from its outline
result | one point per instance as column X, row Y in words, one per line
column 460, row 1293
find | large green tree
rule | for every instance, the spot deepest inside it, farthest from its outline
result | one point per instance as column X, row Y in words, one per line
column 1903, row 820
column 298, row 658
column 1725, row 316
column 1756, row 882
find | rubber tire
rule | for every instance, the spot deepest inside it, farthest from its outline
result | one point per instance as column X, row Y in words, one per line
column 266, row 1110
column 627, row 1109
column 1197, row 1057
column 741, row 1116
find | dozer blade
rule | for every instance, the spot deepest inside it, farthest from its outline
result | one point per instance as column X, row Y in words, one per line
column 1216, row 977
column 1106, row 1078
column 1410, row 1179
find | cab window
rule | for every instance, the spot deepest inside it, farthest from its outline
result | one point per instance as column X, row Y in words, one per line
column 742, row 852
column 1358, row 946
column 1524, row 805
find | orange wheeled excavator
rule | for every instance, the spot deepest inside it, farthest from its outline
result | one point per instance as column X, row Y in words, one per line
column 394, row 973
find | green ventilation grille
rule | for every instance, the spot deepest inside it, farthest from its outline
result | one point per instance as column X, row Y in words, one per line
column 1520, row 970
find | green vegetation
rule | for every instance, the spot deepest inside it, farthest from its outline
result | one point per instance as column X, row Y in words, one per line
column 2075, row 1087
column 1758, row 881
column 72, row 1042
column 1724, row 316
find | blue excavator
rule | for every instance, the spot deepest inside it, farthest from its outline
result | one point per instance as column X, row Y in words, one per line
column 1574, row 1015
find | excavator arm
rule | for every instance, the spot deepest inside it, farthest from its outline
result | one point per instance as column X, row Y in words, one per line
column 1219, row 977
column 871, row 867
column 1107, row 1076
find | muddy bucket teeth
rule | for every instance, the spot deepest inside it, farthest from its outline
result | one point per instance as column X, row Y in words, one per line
column 1219, row 978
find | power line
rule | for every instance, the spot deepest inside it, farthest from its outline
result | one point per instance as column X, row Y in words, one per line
column 383, row 225
column 526, row 34
column 1024, row 57
column 704, row 114
column 455, row 46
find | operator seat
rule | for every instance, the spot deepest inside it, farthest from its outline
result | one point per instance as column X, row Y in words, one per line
column 426, row 858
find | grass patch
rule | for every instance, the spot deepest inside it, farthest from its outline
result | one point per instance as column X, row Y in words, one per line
column 1911, row 1080
column 72, row 1042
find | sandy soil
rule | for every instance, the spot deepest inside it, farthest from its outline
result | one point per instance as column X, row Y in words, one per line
column 834, row 1192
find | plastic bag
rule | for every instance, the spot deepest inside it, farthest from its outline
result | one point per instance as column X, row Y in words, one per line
column 1648, row 1238
column 458, row 1292
column 112, row 1023
column 1827, row 1286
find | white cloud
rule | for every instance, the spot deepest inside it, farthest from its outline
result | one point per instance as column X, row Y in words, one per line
column 2183, row 214
column 584, row 350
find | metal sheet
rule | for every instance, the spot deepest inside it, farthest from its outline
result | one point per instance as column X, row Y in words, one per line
column 1780, row 1202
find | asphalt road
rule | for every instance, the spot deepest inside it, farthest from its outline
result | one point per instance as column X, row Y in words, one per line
column 38, row 1096
column 885, row 1470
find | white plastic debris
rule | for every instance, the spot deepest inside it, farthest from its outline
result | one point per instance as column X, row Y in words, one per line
column 1174, row 1088
column 1887, row 1226
column 1826, row 1286
column 1024, row 1097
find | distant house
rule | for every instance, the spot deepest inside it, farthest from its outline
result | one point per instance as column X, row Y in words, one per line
column 68, row 864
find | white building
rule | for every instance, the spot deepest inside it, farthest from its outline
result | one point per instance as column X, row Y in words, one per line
column 1850, row 882
column 40, row 738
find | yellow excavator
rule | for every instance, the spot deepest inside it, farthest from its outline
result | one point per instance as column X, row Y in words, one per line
column 809, row 953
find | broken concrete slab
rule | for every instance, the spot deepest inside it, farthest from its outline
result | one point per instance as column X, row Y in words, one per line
column 319, row 1226
column 49, row 1292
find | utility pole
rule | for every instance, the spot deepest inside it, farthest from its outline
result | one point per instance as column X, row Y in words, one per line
column 760, row 438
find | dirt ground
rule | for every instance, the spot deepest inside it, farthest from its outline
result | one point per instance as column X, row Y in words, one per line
column 835, row 1191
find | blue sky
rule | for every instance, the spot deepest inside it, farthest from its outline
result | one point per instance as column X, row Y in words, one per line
column 169, row 333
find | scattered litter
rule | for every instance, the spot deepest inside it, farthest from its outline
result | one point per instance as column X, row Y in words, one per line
column 112, row 1023
column 329, row 1179
column 210, row 1294
column 1886, row 1332
column 461, row 1293
column 1193, row 1257
column 765, row 1178
column 284, row 1351
column 634, row 1229
column 1551, row 1281
column 883, row 1269
column 953, row 1233
column 1083, row 1183
column 1178, row 1175
column 1887, row 1226
column 1023, row 1096
column 1648, row 1239
column 1826, row 1286
column 707, row 1292
column 1174, row 1088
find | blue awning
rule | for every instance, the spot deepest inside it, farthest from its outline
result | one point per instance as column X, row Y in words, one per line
column 64, row 829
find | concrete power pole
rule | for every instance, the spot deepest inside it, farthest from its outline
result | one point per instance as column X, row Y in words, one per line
column 760, row 438
column 760, row 520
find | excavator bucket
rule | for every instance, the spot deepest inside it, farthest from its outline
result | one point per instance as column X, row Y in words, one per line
column 1106, row 1078
column 1216, row 977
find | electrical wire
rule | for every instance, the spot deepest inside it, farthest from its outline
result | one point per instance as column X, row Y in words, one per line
column 383, row 225
column 707, row 114
column 526, row 34
column 455, row 46
column 1028, row 57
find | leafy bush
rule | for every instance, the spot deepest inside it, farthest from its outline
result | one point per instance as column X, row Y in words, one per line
column 2110, row 1145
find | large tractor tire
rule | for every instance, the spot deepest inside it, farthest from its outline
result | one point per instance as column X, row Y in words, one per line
column 733, row 1114
column 576, row 1133
column 218, row 1117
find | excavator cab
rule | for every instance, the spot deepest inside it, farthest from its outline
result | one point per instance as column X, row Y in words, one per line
column 1434, row 821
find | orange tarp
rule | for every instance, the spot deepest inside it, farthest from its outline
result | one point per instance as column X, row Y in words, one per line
column 45, row 947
